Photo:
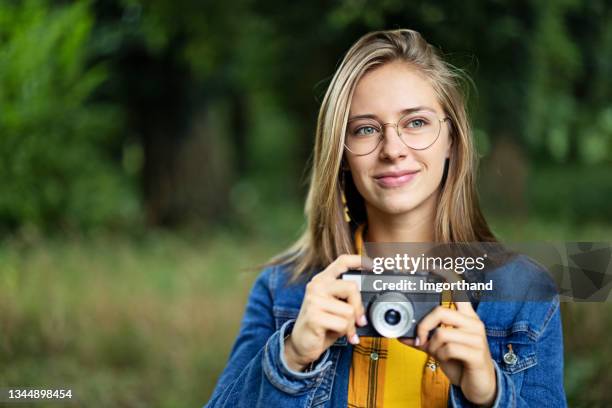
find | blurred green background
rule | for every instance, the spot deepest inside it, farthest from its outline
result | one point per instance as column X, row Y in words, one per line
column 151, row 153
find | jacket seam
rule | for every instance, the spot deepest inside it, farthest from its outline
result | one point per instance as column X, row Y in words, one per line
column 332, row 373
column 271, row 283
column 550, row 313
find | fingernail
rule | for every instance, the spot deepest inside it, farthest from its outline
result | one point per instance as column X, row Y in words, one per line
column 417, row 341
column 355, row 339
column 362, row 320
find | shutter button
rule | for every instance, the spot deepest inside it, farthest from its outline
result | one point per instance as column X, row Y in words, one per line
column 510, row 357
column 374, row 356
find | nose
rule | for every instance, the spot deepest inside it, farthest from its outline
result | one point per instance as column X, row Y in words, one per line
column 392, row 145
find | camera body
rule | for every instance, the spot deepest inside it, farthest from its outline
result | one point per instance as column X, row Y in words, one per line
column 394, row 303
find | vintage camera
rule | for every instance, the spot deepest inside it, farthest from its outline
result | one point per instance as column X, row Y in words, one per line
column 395, row 303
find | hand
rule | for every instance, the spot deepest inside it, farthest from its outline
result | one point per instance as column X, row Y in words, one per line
column 331, row 308
column 461, row 349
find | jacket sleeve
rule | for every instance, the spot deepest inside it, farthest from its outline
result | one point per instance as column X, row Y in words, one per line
column 256, row 374
column 542, row 384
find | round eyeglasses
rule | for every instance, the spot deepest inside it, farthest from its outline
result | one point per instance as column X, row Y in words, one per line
column 417, row 130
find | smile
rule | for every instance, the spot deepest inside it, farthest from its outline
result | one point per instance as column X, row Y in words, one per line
column 395, row 179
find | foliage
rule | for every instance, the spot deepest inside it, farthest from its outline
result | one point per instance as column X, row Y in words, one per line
column 96, row 96
column 55, row 167
column 570, row 115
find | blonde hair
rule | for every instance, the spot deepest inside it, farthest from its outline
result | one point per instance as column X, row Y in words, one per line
column 458, row 216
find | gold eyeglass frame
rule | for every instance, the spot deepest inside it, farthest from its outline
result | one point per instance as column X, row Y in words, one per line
column 397, row 131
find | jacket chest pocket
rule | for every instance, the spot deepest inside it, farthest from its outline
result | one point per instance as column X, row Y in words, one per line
column 514, row 350
column 282, row 314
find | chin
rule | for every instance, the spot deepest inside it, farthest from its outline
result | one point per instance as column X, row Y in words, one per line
column 397, row 206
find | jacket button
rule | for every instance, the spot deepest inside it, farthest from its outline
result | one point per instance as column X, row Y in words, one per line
column 374, row 356
column 510, row 357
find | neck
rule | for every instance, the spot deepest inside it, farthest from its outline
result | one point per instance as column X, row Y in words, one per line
column 416, row 225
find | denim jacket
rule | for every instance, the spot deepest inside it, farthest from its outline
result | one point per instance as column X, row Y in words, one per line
column 257, row 376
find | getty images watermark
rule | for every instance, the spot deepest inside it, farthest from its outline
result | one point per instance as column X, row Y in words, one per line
column 485, row 271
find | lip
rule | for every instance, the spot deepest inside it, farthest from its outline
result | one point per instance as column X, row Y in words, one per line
column 391, row 179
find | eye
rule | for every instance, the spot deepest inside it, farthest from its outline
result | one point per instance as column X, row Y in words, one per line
column 416, row 123
column 365, row 131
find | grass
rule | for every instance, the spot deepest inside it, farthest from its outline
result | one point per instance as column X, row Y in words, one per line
column 149, row 321
column 124, row 323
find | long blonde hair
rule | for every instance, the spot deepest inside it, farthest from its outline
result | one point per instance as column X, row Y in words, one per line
column 458, row 216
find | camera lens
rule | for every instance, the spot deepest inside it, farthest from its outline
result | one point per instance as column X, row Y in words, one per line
column 392, row 317
column 391, row 314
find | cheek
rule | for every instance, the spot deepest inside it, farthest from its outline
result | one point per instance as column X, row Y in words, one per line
column 359, row 170
column 359, row 167
column 434, row 159
column 435, row 170
column 435, row 163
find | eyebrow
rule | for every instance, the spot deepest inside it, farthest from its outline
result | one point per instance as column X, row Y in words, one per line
column 401, row 113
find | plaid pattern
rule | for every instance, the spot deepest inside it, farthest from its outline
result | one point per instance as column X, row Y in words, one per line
column 367, row 373
column 369, row 368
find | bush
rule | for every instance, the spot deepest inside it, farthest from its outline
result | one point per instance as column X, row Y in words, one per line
column 53, row 141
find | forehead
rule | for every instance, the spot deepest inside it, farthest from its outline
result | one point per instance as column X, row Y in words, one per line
column 391, row 88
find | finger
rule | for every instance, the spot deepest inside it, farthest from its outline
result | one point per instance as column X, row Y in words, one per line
column 339, row 325
column 335, row 306
column 342, row 264
column 446, row 335
column 465, row 308
column 348, row 290
column 366, row 263
column 455, row 351
column 345, row 290
column 442, row 315
column 328, row 322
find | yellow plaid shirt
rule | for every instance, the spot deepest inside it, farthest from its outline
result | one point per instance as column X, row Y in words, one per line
column 387, row 373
